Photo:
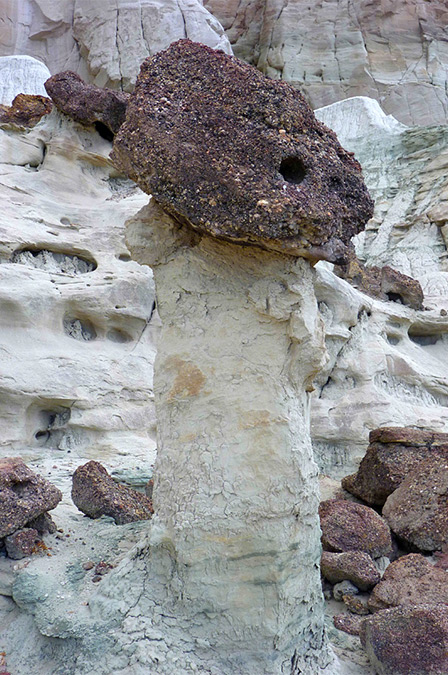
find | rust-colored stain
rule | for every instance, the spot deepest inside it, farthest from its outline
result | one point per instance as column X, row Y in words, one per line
column 189, row 379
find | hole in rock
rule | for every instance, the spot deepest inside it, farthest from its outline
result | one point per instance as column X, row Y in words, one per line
column 79, row 329
column 115, row 335
column 55, row 262
column 124, row 257
column 423, row 340
column 104, row 131
column 292, row 170
column 395, row 297
column 393, row 340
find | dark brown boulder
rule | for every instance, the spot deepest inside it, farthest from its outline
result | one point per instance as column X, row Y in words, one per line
column 393, row 453
column 26, row 110
column 88, row 104
column 23, row 495
column 411, row 579
column 347, row 526
column 417, row 512
column 407, row 640
column 239, row 156
column 95, row 493
column 384, row 283
column 356, row 566
column 22, row 543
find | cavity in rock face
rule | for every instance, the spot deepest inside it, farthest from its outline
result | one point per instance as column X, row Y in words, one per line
column 240, row 157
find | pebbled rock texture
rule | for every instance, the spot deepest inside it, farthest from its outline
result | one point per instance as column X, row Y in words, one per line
column 410, row 640
column 348, row 623
column 26, row 110
column 410, row 580
column 23, row 495
column 393, row 454
column 356, row 566
column 96, row 494
column 417, row 512
column 22, row 543
column 240, row 157
column 86, row 103
column 347, row 526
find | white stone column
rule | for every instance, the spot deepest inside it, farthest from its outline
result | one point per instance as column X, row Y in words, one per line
column 236, row 491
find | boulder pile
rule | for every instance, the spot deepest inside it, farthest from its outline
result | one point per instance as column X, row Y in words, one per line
column 400, row 614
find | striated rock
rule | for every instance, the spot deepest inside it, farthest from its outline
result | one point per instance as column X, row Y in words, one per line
column 349, row 623
column 384, row 283
column 410, row 580
column 26, row 110
column 23, row 495
column 20, row 75
column 393, row 454
column 334, row 50
column 88, row 104
column 103, row 42
column 410, row 640
column 347, row 526
column 22, row 543
column 190, row 121
column 417, row 512
column 95, row 493
column 356, row 566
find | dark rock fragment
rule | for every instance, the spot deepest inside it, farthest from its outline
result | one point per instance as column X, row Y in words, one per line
column 22, row 543
column 408, row 640
column 411, row 579
column 23, row 495
column 95, row 493
column 239, row 156
column 417, row 512
column 356, row 566
column 384, row 283
column 43, row 524
column 349, row 623
column 347, row 526
column 393, row 454
column 26, row 110
column 88, row 104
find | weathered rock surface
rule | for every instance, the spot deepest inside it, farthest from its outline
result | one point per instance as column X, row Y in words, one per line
column 356, row 566
column 411, row 640
column 190, row 121
column 393, row 454
column 96, row 494
column 20, row 75
column 388, row 363
column 22, row 543
column 103, row 42
column 25, row 110
column 417, row 512
column 24, row 495
column 395, row 53
column 86, row 103
column 410, row 580
column 347, row 526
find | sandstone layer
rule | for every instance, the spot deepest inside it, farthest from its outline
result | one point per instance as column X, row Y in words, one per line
column 395, row 52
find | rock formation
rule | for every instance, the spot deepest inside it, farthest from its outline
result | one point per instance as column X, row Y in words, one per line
column 235, row 490
column 296, row 190
column 395, row 53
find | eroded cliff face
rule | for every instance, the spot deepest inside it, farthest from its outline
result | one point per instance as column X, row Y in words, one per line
column 394, row 51
column 104, row 42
